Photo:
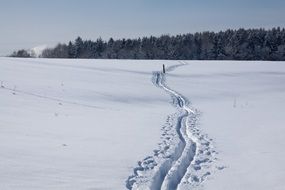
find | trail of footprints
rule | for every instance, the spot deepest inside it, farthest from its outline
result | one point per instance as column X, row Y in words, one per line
column 184, row 157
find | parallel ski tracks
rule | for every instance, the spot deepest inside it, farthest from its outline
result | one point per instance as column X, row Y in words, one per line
column 171, row 169
column 188, row 145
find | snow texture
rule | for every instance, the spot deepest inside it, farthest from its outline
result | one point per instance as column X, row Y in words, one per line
column 123, row 124
column 76, row 124
column 242, row 105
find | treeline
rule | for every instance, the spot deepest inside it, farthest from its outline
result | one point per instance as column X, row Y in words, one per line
column 23, row 53
column 241, row 44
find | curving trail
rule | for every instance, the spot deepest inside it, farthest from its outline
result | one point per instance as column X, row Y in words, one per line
column 183, row 158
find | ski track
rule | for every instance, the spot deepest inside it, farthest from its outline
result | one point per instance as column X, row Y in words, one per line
column 58, row 100
column 185, row 156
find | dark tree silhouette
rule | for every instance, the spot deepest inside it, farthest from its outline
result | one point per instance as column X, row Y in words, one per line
column 241, row 44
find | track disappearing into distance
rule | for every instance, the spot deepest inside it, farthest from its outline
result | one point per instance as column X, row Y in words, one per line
column 179, row 161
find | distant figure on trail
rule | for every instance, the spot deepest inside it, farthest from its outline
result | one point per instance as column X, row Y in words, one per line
column 163, row 68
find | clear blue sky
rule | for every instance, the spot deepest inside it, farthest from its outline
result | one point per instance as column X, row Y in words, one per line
column 29, row 23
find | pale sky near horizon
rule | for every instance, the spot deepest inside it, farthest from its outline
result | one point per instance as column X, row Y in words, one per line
column 30, row 23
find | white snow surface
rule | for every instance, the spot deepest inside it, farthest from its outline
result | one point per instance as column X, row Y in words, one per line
column 85, row 124
column 76, row 124
column 242, row 108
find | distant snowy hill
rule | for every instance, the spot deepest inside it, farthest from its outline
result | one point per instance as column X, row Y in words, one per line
column 37, row 51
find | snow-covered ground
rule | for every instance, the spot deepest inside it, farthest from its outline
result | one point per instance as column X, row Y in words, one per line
column 243, row 107
column 76, row 124
column 85, row 124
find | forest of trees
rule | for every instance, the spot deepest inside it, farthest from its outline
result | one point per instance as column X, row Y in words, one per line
column 241, row 44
